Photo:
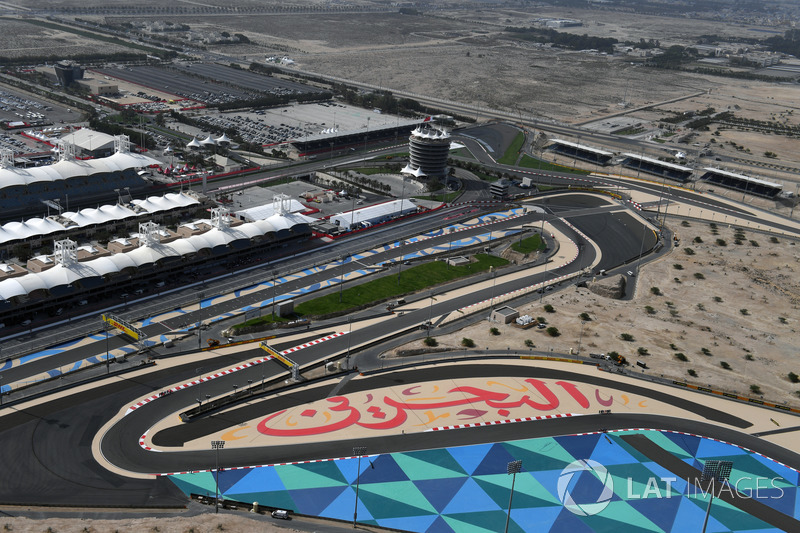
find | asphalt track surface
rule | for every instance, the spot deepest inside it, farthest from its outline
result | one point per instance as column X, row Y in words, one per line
column 614, row 232
column 51, row 459
column 34, row 368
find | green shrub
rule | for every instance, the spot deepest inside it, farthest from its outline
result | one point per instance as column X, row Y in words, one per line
column 541, row 320
column 494, row 331
column 430, row 341
column 755, row 389
column 794, row 378
column 724, row 365
column 680, row 356
column 529, row 343
column 717, row 299
column 749, row 357
column 782, row 319
column 721, row 242
column 706, row 351
column 553, row 331
column 744, row 312
column 688, row 251
column 699, row 275
column 701, row 307
column 626, row 337
column 677, row 266
column 467, row 343
column 585, row 317
column 656, row 291
column 672, row 346
column 685, row 224
column 549, row 308
column 773, row 240
column 649, row 310
column 642, row 351
column 753, row 243
column 697, row 240
column 692, row 373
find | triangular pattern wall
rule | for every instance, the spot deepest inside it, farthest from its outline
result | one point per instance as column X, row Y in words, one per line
column 466, row 489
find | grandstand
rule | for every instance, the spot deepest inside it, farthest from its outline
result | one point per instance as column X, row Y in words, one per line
column 658, row 168
column 150, row 255
column 582, row 152
column 23, row 190
column 741, row 183
column 78, row 225
column 330, row 140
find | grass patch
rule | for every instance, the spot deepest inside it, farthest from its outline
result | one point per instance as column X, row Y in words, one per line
column 279, row 181
column 531, row 162
column 368, row 171
column 266, row 319
column 529, row 244
column 448, row 197
column 484, row 176
column 462, row 152
column 512, row 152
column 412, row 279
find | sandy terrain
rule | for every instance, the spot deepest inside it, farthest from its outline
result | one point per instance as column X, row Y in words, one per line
column 20, row 39
column 206, row 523
column 761, row 279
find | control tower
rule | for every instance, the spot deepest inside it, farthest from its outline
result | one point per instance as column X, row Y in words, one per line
column 429, row 146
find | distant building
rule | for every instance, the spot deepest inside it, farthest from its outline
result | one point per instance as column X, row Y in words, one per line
column 68, row 72
column 563, row 23
column 99, row 87
column 499, row 188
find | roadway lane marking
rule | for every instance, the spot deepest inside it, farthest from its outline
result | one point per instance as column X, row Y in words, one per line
column 508, row 421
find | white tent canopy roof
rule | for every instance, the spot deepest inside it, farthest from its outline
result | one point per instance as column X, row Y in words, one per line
column 60, row 275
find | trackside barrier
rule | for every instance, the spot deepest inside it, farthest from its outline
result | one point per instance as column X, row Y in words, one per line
column 737, row 397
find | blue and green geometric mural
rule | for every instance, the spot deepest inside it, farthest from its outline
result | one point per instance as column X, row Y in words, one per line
column 609, row 487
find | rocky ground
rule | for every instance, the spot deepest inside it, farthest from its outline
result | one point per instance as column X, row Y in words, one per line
column 739, row 302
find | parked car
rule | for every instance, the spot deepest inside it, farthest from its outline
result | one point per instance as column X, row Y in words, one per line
column 280, row 513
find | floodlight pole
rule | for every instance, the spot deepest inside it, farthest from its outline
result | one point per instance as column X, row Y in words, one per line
column 512, row 468
column 715, row 471
column 358, row 451
column 217, row 445
column 108, row 368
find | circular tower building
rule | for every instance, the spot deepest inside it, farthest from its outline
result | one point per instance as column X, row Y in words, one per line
column 429, row 146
